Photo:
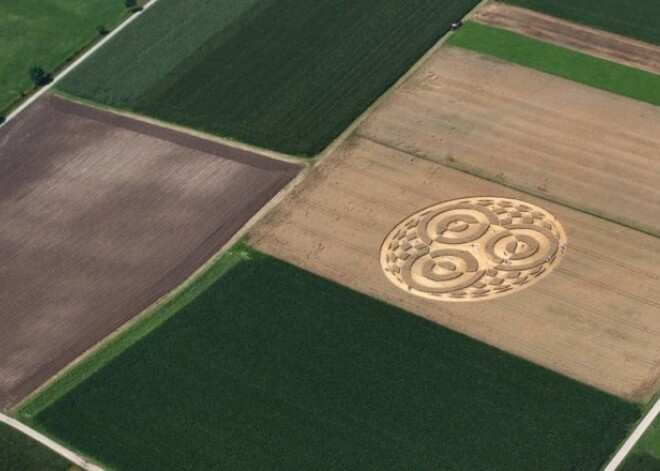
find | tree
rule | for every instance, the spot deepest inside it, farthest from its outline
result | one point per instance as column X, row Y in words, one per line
column 39, row 76
column 130, row 3
column 102, row 30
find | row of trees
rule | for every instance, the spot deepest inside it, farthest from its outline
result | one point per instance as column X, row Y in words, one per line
column 132, row 5
column 40, row 77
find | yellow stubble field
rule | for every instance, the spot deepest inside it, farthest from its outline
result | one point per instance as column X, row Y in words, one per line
column 467, row 128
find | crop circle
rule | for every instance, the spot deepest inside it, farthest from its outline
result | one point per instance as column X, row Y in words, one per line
column 472, row 249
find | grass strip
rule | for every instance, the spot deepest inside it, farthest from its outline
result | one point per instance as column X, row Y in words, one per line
column 556, row 60
column 143, row 326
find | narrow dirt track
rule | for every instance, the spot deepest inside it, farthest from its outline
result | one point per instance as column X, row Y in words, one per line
column 100, row 216
column 573, row 36
column 47, row 442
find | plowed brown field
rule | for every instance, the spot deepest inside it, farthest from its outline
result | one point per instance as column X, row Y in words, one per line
column 573, row 36
column 541, row 134
column 594, row 318
column 100, row 215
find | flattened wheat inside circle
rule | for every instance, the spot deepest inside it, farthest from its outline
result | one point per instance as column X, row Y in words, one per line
column 472, row 248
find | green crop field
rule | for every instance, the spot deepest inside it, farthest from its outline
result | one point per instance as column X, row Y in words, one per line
column 638, row 19
column 271, row 367
column 20, row 453
column 646, row 454
column 556, row 60
column 289, row 75
column 44, row 33
column 149, row 49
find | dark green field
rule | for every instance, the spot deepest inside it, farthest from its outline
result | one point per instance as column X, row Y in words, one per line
column 556, row 60
column 151, row 47
column 43, row 33
column 274, row 368
column 289, row 75
column 638, row 19
column 20, row 453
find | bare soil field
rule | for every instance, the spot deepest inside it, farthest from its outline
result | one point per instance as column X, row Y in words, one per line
column 101, row 215
column 594, row 318
column 573, row 36
column 541, row 134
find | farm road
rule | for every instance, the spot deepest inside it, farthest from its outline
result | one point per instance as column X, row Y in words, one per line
column 56, row 447
column 634, row 437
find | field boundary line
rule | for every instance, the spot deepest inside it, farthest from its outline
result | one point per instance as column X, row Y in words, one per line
column 634, row 437
column 260, row 151
column 386, row 94
column 43, row 90
column 152, row 309
column 488, row 16
column 479, row 173
column 61, row 450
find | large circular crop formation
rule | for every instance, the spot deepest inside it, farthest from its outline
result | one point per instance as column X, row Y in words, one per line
column 472, row 248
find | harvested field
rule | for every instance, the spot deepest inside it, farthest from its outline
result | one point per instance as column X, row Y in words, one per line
column 100, row 216
column 639, row 19
column 594, row 318
column 560, row 61
column 574, row 36
column 541, row 134
column 290, row 371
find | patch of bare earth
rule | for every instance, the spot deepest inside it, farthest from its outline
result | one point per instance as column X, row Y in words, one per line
column 101, row 215
column 573, row 36
column 594, row 318
column 541, row 134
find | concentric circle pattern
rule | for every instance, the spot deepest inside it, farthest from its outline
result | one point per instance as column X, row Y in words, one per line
column 472, row 249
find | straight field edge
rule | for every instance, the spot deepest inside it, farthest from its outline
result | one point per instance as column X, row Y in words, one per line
column 172, row 304
column 232, row 252
column 352, row 127
column 559, row 61
column 227, row 141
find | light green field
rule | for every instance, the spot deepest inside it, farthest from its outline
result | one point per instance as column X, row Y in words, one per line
column 148, row 50
column 44, row 33
column 555, row 60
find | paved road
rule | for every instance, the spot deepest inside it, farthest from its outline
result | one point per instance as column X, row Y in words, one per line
column 56, row 447
column 634, row 437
